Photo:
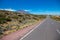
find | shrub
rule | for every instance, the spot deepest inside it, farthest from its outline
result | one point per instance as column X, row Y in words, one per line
column 1, row 30
column 15, row 17
column 8, row 19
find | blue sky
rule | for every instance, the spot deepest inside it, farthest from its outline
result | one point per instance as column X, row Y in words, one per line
column 33, row 6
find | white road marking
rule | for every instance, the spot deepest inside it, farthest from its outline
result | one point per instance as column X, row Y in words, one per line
column 31, row 31
column 58, row 31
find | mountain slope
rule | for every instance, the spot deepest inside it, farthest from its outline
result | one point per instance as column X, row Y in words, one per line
column 12, row 21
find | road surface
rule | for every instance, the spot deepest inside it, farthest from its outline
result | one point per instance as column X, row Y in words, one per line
column 46, row 31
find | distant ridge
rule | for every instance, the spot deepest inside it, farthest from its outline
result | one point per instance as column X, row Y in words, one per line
column 23, row 12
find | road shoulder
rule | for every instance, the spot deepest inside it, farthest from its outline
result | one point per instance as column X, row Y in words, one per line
column 20, row 33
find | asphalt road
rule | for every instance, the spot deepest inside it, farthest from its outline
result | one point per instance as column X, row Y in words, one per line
column 45, row 31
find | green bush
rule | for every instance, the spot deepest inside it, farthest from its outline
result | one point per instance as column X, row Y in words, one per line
column 15, row 17
column 8, row 19
column 4, row 20
column 1, row 30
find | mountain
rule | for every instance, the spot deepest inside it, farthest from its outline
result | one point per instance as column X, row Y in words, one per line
column 23, row 11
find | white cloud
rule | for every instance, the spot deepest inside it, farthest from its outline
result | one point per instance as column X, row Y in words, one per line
column 27, row 10
column 9, row 9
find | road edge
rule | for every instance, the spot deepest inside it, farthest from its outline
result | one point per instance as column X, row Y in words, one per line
column 32, row 30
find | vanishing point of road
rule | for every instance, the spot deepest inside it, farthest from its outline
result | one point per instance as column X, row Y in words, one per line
column 47, row 30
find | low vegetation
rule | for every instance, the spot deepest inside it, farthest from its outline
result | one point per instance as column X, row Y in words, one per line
column 57, row 18
column 13, row 21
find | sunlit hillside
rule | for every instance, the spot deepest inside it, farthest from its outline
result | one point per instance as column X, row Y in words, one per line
column 13, row 21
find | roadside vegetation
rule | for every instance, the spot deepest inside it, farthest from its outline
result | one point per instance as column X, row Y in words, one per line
column 54, row 17
column 13, row 21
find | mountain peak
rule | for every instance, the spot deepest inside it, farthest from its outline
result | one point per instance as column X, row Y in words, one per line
column 23, row 11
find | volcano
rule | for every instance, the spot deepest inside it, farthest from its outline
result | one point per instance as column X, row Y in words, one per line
column 23, row 12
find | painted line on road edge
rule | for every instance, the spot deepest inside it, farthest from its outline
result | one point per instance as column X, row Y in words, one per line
column 58, row 31
column 31, row 30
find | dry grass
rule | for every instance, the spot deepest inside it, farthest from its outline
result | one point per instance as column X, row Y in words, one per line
column 57, row 18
